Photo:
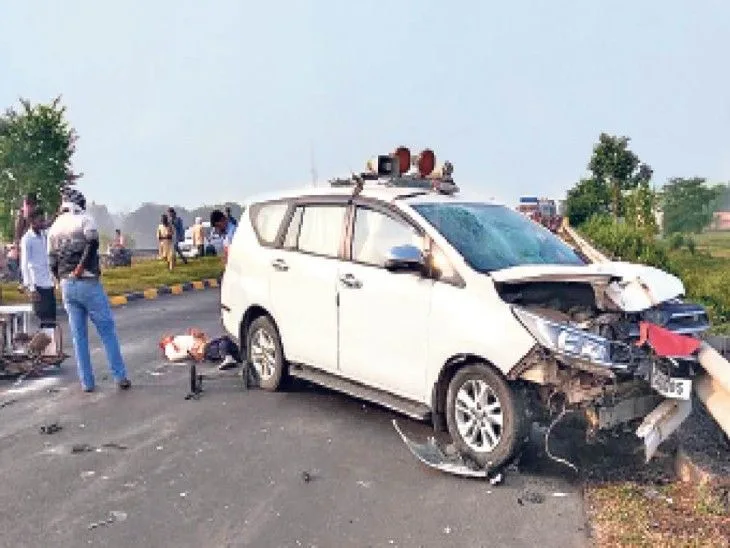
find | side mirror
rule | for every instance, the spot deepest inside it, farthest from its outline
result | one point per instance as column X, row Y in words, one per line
column 405, row 257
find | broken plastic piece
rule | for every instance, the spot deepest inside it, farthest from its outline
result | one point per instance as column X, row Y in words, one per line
column 432, row 456
column 661, row 423
column 547, row 442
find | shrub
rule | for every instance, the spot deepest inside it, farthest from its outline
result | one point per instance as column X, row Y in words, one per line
column 676, row 240
column 626, row 243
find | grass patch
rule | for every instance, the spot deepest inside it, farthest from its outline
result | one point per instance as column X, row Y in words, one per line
column 630, row 514
column 716, row 244
column 141, row 276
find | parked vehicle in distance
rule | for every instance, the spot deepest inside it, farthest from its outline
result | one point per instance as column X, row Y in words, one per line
column 213, row 242
column 394, row 287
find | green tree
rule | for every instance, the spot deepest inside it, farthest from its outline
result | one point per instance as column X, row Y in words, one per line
column 36, row 148
column 722, row 202
column 639, row 208
column 587, row 198
column 615, row 170
column 618, row 168
column 688, row 204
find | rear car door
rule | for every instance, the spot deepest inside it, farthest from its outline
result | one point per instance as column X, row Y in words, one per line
column 303, row 286
column 384, row 316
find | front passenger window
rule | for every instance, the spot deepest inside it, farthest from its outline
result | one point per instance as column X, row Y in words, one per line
column 375, row 233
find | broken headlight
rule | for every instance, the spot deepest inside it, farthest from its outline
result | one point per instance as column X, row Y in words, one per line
column 566, row 340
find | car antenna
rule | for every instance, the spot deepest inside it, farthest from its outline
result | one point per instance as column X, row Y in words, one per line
column 359, row 184
column 312, row 165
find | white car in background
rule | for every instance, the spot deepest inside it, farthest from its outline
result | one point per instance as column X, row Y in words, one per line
column 213, row 242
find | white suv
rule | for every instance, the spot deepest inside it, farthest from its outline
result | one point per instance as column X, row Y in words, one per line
column 464, row 312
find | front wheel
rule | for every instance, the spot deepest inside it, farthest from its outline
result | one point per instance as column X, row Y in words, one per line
column 264, row 352
column 484, row 416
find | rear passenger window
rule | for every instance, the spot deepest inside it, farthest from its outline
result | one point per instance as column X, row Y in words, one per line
column 267, row 219
column 320, row 229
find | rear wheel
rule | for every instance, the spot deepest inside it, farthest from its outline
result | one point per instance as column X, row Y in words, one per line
column 264, row 352
column 484, row 416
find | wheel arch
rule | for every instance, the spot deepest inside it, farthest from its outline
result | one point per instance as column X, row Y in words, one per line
column 441, row 386
column 252, row 313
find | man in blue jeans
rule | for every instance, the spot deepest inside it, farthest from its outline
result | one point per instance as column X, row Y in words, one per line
column 73, row 252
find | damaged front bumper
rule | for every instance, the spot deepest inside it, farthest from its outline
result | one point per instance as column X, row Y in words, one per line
column 615, row 382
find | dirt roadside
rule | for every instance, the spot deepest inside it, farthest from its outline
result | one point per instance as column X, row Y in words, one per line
column 630, row 503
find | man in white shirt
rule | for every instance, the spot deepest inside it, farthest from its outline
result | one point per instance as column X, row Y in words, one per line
column 36, row 272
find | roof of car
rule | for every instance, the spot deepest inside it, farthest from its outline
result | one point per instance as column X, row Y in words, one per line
column 375, row 191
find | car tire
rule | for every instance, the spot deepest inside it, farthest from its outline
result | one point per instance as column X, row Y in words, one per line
column 265, row 353
column 477, row 400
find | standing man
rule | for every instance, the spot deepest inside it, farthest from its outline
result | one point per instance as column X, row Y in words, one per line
column 199, row 236
column 118, row 239
column 36, row 272
column 179, row 235
column 73, row 249
column 225, row 228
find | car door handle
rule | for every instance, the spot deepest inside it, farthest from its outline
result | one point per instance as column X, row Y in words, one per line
column 280, row 265
column 348, row 280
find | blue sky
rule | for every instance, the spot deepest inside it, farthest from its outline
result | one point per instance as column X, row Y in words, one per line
column 195, row 102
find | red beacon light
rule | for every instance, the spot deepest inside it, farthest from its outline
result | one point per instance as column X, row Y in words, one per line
column 425, row 162
column 403, row 154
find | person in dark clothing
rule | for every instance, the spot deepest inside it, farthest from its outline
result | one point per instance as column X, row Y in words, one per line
column 231, row 218
column 179, row 236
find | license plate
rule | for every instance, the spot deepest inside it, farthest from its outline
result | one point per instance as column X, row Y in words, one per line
column 670, row 387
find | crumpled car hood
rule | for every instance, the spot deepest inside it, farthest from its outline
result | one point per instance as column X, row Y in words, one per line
column 631, row 287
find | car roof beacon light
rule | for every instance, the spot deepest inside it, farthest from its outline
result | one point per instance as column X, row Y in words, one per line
column 425, row 162
column 403, row 154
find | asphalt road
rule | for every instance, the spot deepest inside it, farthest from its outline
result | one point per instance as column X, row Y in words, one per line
column 227, row 469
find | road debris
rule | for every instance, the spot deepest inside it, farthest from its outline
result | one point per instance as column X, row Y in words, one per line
column 88, row 474
column 114, row 517
column 496, row 479
column 432, row 455
column 117, row 446
column 533, row 497
column 81, row 448
column 306, row 477
column 52, row 428
column 6, row 403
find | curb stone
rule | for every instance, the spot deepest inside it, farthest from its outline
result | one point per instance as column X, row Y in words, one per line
column 688, row 471
column 156, row 292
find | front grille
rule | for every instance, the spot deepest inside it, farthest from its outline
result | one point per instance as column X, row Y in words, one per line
column 679, row 317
